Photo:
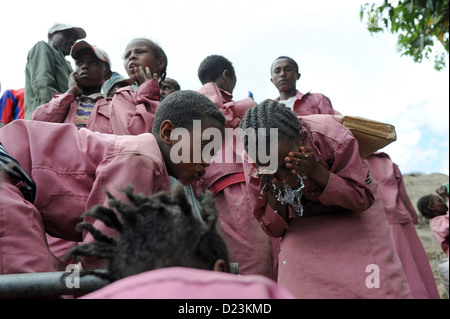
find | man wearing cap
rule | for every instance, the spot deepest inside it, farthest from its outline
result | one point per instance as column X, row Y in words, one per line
column 47, row 71
column 83, row 102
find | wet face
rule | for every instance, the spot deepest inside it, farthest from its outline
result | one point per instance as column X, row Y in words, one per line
column 91, row 72
column 284, row 75
column 138, row 53
column 282, row 173
column 63, row 40
column 195, row 152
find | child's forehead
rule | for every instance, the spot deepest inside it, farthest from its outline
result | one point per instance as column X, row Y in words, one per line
column 283, row 62
column 138, row 43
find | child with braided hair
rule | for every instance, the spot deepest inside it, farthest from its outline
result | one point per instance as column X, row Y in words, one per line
column 318, row 200
column 132, row 111
column 164, row 251
column 247, row 243
column 61, row 171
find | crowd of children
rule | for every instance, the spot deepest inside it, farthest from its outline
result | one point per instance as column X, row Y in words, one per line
column 96, row 180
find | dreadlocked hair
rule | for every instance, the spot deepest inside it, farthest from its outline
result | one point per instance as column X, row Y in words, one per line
column 154, row 232
column 271, row 114
column 159, row 53
column 423, row 204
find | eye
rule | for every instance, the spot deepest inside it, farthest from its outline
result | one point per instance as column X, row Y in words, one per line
column 127, row 55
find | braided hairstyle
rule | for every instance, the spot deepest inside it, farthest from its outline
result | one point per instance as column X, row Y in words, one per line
column 423, row 206
column 212, row 67
column 158, row 52
column 271, row 114
column 155, row 232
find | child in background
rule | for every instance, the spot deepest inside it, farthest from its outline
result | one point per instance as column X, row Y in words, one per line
column 12, row 106
column 324, row 207
column 247, row 243
column 132, row 112
column 116, row 82
column 434, row 208
column 187, row 260
column 169, row 86
column 284, row 75
column 58, row 166
column 81, row 103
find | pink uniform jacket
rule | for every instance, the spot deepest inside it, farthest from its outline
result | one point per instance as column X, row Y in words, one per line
column 347, row 253
column 402, row 216
column 190, row 283
column 312, row 103
column 127, row 113
column 248, row 245
column 439, row 226
column 71, row 169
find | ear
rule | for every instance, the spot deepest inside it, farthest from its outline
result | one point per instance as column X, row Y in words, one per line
column 165, row 131
column 226, row 73
column 298, row 76
column 220, row 266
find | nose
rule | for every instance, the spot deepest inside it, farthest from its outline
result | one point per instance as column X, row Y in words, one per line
column 85, row 65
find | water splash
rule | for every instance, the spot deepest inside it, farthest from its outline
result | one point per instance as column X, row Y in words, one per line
column 262, row 191
column 288, row 196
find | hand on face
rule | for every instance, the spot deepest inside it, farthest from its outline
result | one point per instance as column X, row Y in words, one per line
column 301, row 162
column 73, row 85
column 145, row 75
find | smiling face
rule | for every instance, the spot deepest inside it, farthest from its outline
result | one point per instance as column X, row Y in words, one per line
column 138, row 53
column 284, row 75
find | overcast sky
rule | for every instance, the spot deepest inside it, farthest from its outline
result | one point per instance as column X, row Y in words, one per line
column 363, row 75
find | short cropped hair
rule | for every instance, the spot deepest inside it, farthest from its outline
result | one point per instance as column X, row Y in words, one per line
column 183, row 107
column 285, row 57
column 212, row 67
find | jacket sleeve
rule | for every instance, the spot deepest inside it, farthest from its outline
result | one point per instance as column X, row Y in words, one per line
column 57, row 110
column 42, row 72
column 133, row 113
column 348, row 185
column 325, row 106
